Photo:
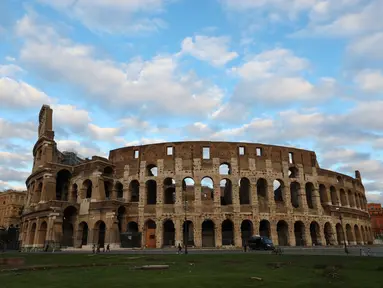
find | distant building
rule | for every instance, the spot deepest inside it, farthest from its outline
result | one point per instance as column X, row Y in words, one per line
column 11, row 203
column 376, row 213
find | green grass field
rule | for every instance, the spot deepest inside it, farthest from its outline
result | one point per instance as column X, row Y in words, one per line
column 221, row 271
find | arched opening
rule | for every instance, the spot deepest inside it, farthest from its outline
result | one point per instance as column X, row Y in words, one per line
column 108, row 189
column 227, row 232
column 309, row 187
column 224, row 169
column 299, row 231
column 293, row 172
column 169, row 191
column 208, row 234
column 343, row 198
column 226, row 192
column 358, row 237
column 132, row 227
column 188, row 189
column 278, row 190
column 328, row 233
column 99, row 233
column 349, row 234
column 62, row 185
column 70, row 215
column 188, row 232
column 283, row 233
column 151, row 192
column 294, row 193
column 334, row 197
column 119, row 190
column 42, row 233
column 87, row 185
column 108, row 172
column 37, row 193
column 151, row 170
column 134, row 190
column 244, row 191
column 169, row 233
column 339, row 234
column 315, row 233
column 83, row 233
column 32, row 234
column 264, row 228
column 262, row 189
column 207, row 190
column 339, row 180
column 323, row 194
column 132, row 237
column 74, row 192
column 121, row 215
column 246, row 231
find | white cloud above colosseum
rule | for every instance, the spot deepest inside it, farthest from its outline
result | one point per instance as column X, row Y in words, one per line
column 299, row 73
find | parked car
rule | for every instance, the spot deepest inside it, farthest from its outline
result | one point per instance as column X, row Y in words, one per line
column 260, row 243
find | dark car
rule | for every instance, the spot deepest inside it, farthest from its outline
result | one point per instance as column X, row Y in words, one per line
column 260, row 243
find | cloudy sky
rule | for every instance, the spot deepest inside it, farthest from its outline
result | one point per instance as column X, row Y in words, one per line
column 304, row 73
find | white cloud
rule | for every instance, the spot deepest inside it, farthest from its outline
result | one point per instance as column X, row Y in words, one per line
column 70, row 116
column 214, row 50
column 18, row 94
column 370, row 80
column 22, row 130
column 10, row 175
column 10, row 59
column 15, row 160
column 369, row 46
column 154, row 86
column 128, row 16
column 9, row 70
column 80, row 148
column 102, row 133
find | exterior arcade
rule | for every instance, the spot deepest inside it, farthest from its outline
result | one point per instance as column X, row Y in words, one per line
column 219, row 192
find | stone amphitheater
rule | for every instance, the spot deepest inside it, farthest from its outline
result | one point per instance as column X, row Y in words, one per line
column 200, row 193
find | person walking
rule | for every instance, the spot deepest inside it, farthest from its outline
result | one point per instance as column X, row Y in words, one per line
column 179, row 248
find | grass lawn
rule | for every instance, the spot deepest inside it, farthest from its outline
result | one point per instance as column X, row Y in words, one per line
column 211, row 271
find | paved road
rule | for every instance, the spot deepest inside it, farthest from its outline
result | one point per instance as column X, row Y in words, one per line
column 375, row 251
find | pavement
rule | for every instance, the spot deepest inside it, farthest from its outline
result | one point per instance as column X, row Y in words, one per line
column 373, row 251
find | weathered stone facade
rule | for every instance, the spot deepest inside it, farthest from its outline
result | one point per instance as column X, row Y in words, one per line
column 11, row 203
column 226, row 192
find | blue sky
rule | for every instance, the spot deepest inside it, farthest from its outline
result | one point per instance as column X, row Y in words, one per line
column 304, row 73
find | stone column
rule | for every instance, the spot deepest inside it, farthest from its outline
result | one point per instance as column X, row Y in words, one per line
column 159, row 198
column 273, row 232
column 270, row 196
column 36, row 238
column 218, row 233
column 197, row 226
column 27, row 234
column 198, row 200
column 159, row 233
column 98, row 190
column 292, row 240
column 179, row 235
column 237, row 233
column 235, row 195
column 254, row 196
column 49, row 188
column 302, row 198
column 307, row 235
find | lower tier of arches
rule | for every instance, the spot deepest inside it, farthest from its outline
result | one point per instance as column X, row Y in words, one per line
column 151, row 232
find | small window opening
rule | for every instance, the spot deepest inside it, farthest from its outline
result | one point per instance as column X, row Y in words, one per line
column 206, row 153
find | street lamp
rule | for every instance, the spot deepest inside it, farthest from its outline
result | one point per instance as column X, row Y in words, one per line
column 344, row 234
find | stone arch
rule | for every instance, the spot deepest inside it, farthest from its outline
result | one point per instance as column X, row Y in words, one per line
column 208, row 233
column 188, row 232
column 299, row 232
column 349, row 234
column 226, row 192
column 108, row 171
column 37, row 193
column 315, row 233
column 132, row 226
column 247, row 230
column 32, row 234
column 134, row 190
column 357, row 203
column 309, row 189
column 358, row 237
column 351, row 198
column 339, row 180
column 69, row 218
column 339, row 234
column 294, row 194
column 227, row 232
column 108, row 189
column 264, row 228
column 169, row 191
column 224, row 169
column 121, row 215
column 293, row 172
column 87, row 186
column 343, row 197
column 151, row 192
column 119, row 190
column 99, row 233
column 168, row 233
column 279, row 188
column 328, row 233
column 334, row 196
column 62, row 184
column 83, row 231
column 42, row 233
column 283, row 233
column 151, row 170
column 244, row 191
column 323, row 194
column 188, row 189
column 262, row 189
column 207, row 189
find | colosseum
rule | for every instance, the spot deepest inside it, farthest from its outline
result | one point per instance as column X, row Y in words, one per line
column 198, row 193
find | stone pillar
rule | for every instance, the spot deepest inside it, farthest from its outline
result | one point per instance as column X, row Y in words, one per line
column 235, row 195
column 302, row 198
column 292, row 240
column 273, row 232
column 36, row 238
column 159, row 198
column 198, row 199
column 237, row 233
column 178, row 226
column 49, row 188
column 197, row 226
column 254, row 196
column 270, row 196
column 27, row 234
column 98, row 190
column 142, row 200
column 218, row 233
column 159, row 233
column 307, row 235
